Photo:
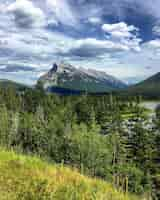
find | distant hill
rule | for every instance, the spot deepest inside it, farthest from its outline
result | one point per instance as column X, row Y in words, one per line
column 24, row 177
column 7, row 83
column 65, row 77
column 148, row 88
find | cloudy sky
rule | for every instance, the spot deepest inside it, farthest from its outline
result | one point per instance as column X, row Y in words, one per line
column 121, row 37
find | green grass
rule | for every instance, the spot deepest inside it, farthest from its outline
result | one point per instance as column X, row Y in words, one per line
column 131, row 115
column 29, row 178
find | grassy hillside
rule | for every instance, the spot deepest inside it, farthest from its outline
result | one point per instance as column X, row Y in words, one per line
column 29, row 178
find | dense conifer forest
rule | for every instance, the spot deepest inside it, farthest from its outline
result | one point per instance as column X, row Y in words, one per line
column 102, row 136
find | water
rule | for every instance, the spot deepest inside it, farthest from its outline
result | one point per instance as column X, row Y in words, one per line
column 151, row 105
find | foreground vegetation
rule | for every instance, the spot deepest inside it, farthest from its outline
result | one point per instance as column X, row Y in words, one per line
column 28, row 178
column 102, row 136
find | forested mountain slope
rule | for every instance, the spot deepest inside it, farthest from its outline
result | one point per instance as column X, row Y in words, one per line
column 7, row 83
column 148, row 88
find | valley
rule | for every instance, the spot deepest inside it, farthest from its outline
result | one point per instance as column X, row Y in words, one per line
column 104, row 132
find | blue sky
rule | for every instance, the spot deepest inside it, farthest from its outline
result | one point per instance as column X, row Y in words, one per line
column 120, row 37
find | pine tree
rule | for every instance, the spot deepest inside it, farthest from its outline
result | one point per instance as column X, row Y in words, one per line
column 4, row 126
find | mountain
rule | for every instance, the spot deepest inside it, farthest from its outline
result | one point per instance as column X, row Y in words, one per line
column 7, row 83
column 65, row 77
column 149, row 87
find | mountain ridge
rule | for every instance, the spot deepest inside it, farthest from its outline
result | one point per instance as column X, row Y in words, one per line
column 5, row 83
column 67, row 76
column 66, row 79
column 149, row 87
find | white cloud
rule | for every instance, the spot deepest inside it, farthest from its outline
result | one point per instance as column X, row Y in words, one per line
column 124, row 34
column 156, row 30
column 26, row 15
column 2, row 8
column 95, row 20
column 118, row 8
column 119, row 30
column 62, row 11
column 153, row 44
column 118, row 53
column 92, row 47
column 35, row 43
column 52, row 22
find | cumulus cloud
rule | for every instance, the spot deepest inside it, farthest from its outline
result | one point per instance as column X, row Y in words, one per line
column 126, row 35
column 15, row 68
column 92, row 47
column 119, row 30
column 118, row 8
column 26, row 14
column 120, row 38
column 36, row 43
column 116, row 47
column 152, row 45
column 62, row 11
column 156, row 30
column 95, row 20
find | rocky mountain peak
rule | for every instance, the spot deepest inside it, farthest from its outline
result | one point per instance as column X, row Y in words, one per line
column 64, row 75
